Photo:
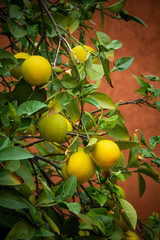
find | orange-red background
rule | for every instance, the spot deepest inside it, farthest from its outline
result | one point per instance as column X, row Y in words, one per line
column 143, row 44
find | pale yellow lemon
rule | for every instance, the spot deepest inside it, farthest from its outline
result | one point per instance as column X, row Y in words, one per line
column 36, row 70
column 81, row 53
column 130, row 235
column 81, row 165
column 105, row 154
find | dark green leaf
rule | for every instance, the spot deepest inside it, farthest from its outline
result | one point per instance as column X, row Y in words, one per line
column 10, row 198
column 4, row 143
column 133, row 154
column 22, row 230
column 142, row 185
column 153, row 141
column 148, row 170
column 124, row 15
column 119, row 132
column 39, row 95
column 106, row 69
column 126, row 144
column 8, row 178
column 102, row 16
column 14, row 153
column 41, row 232
column 73, row 111
column 16, row 29
column 117, row 7
column 74, row 144
column 15, row 11
column 18, row 92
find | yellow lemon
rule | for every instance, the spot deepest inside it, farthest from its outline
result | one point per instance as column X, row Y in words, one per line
column 70, row 129
column 105, row 154
column 81, row 165
column 53, row 128
column 82, row 53
column 36, row 70
column 16, row 71
column 122, row 192
column 130, row 235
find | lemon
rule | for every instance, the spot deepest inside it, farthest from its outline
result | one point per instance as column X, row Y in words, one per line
column 82, row 54
column 122, row 192
column 81, row 165
column 36, row 70
column 70, row 129
column 16, row 71
column 105, row 154
column 53, row 128
column 130, row 235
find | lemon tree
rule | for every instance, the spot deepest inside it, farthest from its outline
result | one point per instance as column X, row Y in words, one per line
column 65, row 147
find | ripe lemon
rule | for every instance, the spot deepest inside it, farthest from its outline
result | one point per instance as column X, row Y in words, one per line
column 16, row 71
column 36, row 70
column 81, row 165
column 105, row 154
column 130, row 235
column 81, row 53
column 53, row 128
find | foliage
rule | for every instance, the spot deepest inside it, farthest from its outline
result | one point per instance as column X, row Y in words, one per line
column 36, row 202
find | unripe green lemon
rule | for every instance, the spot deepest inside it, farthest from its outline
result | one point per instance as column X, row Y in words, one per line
column 36, row 70
column 106, row 154
column 16, row 71
column 81, row 165
column 53, row 128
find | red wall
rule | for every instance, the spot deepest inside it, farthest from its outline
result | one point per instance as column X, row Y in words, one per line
column 144, row 44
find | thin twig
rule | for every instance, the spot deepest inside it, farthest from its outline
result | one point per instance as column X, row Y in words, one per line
column 47, row 160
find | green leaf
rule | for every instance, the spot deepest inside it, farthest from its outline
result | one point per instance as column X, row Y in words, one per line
column 14, row 153
column 133, row 154
column 95, row 73
column 103, row 38
column 18, row 92
column 91, row 101
column 117, row 7
column 51, row 223
column 123, row 64
column 4, row 142
column 41, row 232
column 10, row 198
column 70, row 187
column 48, row 192
column 142, row 185
column 39, row 94
column 74, row 144
column 102, row 16
column 106, row 69
column 57, row 104
column 68, row 81
column 73, row 111
column 8, row 178
column 22, row 230
column 129, row 214
column 74, row 207
column 148, row 170
column 26, row 175
column 125, row 16
column 103, row 100
column 16, row 29
column 119, row 132
column 108, row 123
column 15, row 11
column 115, row 44
column 153, row 141
column 152, row 78
column 30, row 107
column 126, row 144
column 7, row 61
column 72, row 21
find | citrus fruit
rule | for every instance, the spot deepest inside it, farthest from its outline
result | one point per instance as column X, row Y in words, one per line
column 53, row 128
column 70, row 129
column 105, row 154
column 82, row 54
column 81, row 165
column 36, row 70
column 130, row 235
column 16, row 71
column 122, row 192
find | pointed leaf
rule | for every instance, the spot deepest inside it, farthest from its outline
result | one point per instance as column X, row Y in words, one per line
column 30, row 107
column 103, row 100
column 117, row 7
column 73, row 111
column 16, row 29
column 142, row 185
column 14, row 153
column 96, row 72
